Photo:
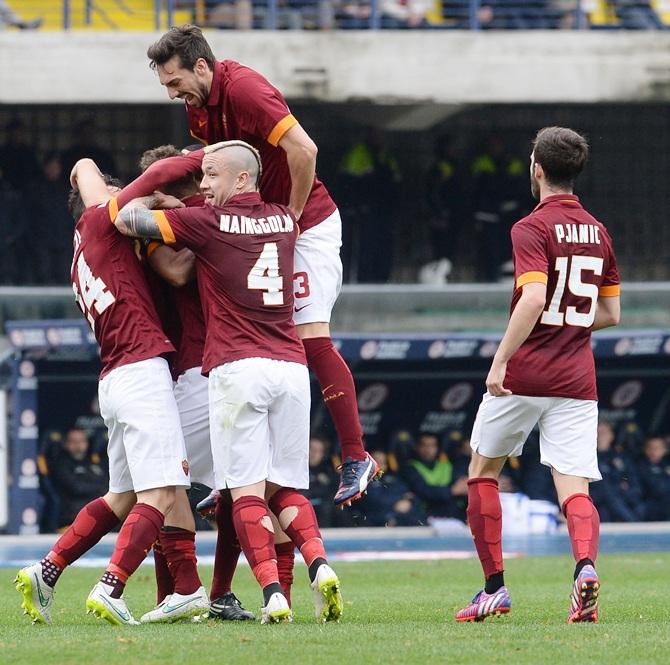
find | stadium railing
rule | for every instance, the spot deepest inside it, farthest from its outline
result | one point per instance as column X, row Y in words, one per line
column 390, row 308
column 346, row 14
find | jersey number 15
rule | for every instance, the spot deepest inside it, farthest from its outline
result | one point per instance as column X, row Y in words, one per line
column 570, row 270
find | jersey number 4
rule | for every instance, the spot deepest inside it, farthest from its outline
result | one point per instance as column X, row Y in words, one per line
column 570, row 270
column 264, row 276
column 91, row 292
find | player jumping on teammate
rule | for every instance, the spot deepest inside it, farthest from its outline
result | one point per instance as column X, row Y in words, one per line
column 543, row 373
column 226, row 100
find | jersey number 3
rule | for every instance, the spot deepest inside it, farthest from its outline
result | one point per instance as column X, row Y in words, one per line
column 91, row 292
column 570, row 270
column 264, row 276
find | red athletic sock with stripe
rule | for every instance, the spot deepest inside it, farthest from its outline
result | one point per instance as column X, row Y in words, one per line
column 583, row 526
column 296, row 515
column 93, row 521
column 227, row 550
column 285, row 563
column 339, row 393
column 137, row 535
column 164, row 581
column 179, row 549
column 256, row 535
column 485, row 520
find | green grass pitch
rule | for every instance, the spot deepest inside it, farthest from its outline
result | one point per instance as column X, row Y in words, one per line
column 394, row 613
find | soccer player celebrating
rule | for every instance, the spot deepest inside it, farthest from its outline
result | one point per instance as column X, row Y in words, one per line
column 147, row 458
column 543, row 373
column 258, row 383
column 226, row 100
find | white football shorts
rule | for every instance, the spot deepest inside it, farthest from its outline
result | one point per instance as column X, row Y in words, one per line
column 568, row 429
column 146, row 447
column 317, row 276
column 259, row 423
column 191, row 393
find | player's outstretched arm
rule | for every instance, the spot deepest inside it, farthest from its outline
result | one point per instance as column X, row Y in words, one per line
column 159, row 174
column 521, row 323
column 87, row 178
column 608, row 312
column 177, row 268
column 301, row 158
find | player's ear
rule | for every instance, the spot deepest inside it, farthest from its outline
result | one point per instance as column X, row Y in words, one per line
column 200, row 67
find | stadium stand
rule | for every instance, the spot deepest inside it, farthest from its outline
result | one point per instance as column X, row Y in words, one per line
column 143, row 15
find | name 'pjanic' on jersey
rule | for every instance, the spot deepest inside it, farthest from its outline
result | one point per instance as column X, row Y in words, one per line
column 251, row 225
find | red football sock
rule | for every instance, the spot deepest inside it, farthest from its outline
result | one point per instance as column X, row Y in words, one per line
column 93, row 521
column 485, row 520
column 164, row 581
column 339, row 393
column 302, row 527
column 583, row 526
column 285, row 561
column 179, row 549
column 227, row 550
column 137, row 535
column 256, row 535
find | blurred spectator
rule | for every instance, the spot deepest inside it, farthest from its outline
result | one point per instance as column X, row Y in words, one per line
column 54, row 223
column 637, row 15
column 77, row 475
column 389, row 501
column 429, row 475
column 499, row 181
column 617, row 496
column 352, row 14
column 368, row 182
column 19, row 166
column 654, row 472
column 9, row 18
column 323, row 480
column 447, row 203
column 86, row 144
column 399, row 14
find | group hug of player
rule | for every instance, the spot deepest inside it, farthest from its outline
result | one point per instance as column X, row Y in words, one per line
column 248, row 240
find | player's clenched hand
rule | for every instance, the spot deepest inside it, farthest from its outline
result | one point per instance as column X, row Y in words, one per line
column 495, row 378
column 165, row 201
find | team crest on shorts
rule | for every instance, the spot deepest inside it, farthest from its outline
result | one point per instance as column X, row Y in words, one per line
column 184, row 465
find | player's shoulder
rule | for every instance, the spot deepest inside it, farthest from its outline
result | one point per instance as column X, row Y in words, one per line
column 533, row 221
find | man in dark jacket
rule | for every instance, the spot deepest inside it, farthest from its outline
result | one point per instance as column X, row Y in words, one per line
column 77, row 476
column 429, row 475
column 654, row 473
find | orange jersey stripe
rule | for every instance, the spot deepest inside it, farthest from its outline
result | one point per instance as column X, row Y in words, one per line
column 164, row 227
column 280, row 129
column 528, row 277
column 113, row 209
column 610, row 291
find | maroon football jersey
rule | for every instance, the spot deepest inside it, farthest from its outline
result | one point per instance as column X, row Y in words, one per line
column 563, row 246
column 244, row 267
column 244, row 105
column 188, row 308
column 112, row 291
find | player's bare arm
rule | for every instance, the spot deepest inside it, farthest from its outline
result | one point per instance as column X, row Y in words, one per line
column 177, row 268
column 87, row 178
column 301, row 158
column 521, row 323
column 608, row 312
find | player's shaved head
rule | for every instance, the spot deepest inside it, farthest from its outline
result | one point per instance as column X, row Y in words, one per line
column 230, row 168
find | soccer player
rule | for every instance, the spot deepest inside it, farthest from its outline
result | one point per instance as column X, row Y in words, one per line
column 147, row 458
column 543, row 373
column 226, row 100
column 177, row 267
column 258, row 383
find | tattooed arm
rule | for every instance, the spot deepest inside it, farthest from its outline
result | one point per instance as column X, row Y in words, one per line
column 138, row 220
